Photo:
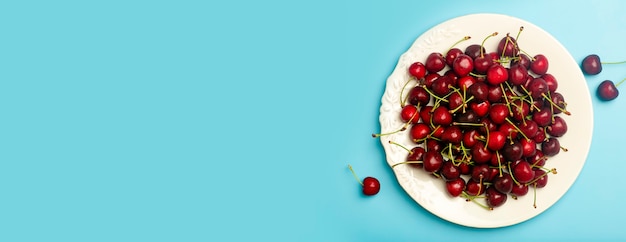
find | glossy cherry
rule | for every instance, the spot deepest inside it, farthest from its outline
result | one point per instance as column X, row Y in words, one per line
column 435, row 62
column 522, row 172
column 463, row 65
column 495, row 198
column 455, row 187
column 417, row 70
column 607, row 90
column 371, row 185
column 591, row 65
column 433, row 161
column 539, row 64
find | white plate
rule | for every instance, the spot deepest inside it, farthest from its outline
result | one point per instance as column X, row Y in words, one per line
column 429, row 192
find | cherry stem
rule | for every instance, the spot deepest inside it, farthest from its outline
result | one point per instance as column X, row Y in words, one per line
column 383, row 134
column 620, row 82
column 483, row 43
column 506, row 43
column 407, row 162
column 461, row 40
column 557, row 106
column 467, row 124
column 521, row 28
column 506, row 98
column 402, row 100
column 535, row 195
column 511, row 171
column 499, row 163
column 614, row 62
column 355, row 176
column 401, row 146
column 435, row 96
column 516, row 128
column 472, row 199
column 553, row 171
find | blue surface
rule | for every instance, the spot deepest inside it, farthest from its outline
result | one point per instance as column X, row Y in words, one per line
column 197, row 121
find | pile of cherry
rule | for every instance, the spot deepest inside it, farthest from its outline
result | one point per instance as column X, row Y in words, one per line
column 483, row 121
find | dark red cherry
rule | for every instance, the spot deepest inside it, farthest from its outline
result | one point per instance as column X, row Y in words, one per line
column 474, row 188
column 465, row 82
column 498, row 113
column 507, row 47
column 435, row 62
column 519, row 190
column 541, row 178
column 463, row 65
column 416, row 154
column 474, row 51
column 433, row 161
column 479, row 90
column 418, row 96
column 518, row 75
column 607, row 90
column 539, row 64
column 495, row 198
column 449, row 171
column 591, row 65
column 558, row 127
column 455, row 187
column 504, row 183
column 452, row 54
column 551, row 147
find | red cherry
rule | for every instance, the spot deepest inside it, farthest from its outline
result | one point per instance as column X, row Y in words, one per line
column 451, row 55
column 495, row 198
column 496, row 140
column 498, row 113
column 417, row 70
column 410, row 112
column 474, row 188
column 419, row 132
column 371, row 186
column 522, row 172
column 418, row 96
column 529, row 147
column 558, row 127
column 519, row 190
column 591, row 65
column 416, row 154
column 463, row 65
column 455, row 187
column 465, row 82
column 608, row 91
column 480, row 154
column 539, row 64
column 449, row 171
column 497, row 74
column 435, row 62
column 541, row 178
column 551, row 81
column 507, row 47
column 504, row 183
column 433, row 161
column 481, row 108
column 442, row 116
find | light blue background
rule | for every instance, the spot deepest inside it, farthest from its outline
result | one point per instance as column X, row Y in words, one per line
column 216, row 121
